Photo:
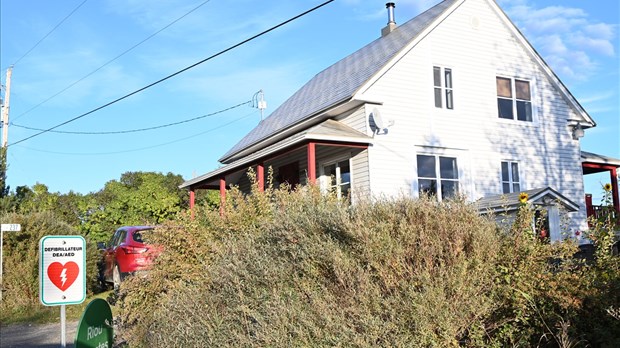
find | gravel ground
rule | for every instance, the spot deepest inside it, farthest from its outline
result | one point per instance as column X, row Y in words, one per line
column 35, row 335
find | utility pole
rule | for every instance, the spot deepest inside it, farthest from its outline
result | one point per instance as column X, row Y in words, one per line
column 5, row 109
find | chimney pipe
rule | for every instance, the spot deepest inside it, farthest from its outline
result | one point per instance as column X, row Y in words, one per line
column 390, row 7
column 391, row 25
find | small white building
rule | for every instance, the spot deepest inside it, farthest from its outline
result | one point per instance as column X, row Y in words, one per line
column 454, row 101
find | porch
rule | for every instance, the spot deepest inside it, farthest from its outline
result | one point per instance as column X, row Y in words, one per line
column 593, row 163
column 330, row 149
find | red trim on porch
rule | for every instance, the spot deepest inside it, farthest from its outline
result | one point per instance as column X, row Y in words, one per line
column 222, row 194
column 614, row 189
column 351, row 145
column 589, row 206
column 614, row 181
column 192, row 199
column 260, row 176
column 312, row 162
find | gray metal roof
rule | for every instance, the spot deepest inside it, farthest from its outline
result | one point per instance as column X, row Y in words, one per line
column 589, row 157
column 339, row 82
column 329, row 130
column 510, row 201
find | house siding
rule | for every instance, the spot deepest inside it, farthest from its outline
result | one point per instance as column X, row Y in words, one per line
column 356, row 119
column 472, row 131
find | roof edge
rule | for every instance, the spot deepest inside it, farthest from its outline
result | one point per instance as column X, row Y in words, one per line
column 545, row 67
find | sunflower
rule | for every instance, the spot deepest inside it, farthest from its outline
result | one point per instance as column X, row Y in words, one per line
column 523, row 197
column 607, row 187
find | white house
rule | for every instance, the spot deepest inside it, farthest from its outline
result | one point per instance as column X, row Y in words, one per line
column 455, row 100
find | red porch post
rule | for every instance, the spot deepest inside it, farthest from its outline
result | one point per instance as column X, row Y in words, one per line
column 260, row 176
column 192, row 198
column 312, row 162
column 222, row 194
column 589, row 207
column 614, row 190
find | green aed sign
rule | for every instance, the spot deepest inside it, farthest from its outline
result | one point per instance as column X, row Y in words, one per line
column 95, row 328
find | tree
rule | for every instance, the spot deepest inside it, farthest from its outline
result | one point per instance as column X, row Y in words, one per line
column 138, row 198
column 4, row 189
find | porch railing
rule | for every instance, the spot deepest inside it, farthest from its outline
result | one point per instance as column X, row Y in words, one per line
column 595, row 212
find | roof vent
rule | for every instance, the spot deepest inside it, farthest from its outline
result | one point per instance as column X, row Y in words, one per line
column 391, row 25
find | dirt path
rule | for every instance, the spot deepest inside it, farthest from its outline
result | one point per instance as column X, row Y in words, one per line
column 35, row 335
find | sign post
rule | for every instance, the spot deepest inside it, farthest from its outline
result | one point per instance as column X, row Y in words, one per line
column 8, row 228
column 62, row 274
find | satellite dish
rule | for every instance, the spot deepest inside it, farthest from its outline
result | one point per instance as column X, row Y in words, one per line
column 376, row 117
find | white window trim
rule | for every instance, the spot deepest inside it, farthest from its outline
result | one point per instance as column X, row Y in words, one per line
column 324, row 180
column 533, row 99
column 442, row 76
column 416, row 182
column 511, row 182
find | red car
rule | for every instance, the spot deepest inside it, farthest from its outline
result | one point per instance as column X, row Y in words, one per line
column 127, row 253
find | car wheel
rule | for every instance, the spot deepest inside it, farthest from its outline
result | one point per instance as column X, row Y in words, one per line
column 116, row 277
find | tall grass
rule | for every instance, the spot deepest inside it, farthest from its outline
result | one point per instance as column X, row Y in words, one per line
column 300, row 269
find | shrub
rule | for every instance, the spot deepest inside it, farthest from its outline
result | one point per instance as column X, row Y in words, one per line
column 300, row 269
column 20, row 297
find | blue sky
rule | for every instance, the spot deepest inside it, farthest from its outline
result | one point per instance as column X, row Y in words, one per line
column 578, row 39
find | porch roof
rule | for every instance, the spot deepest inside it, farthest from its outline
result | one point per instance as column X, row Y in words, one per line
column 510, row 201
column 601, row 163
column 328, row 131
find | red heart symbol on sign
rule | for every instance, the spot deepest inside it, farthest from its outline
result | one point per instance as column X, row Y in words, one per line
column 63, row 275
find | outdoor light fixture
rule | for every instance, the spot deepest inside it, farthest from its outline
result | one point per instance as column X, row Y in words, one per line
column 577, row 131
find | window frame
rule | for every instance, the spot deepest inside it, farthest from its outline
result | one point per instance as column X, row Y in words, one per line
column 511, row 182
column 446, row 93
column 439, row 194
column 325, row 180
column 514, row 100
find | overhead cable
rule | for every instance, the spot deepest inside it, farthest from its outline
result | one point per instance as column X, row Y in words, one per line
column 140, row 129
column 142, row 148
column 174, row 74
column 110, row 61
column 51, row 31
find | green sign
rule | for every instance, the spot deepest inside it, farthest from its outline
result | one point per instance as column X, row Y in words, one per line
column 95, row 328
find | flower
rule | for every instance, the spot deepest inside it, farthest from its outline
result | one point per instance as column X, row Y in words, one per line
column 607, row 187
column 523, row 197
column 577, row 233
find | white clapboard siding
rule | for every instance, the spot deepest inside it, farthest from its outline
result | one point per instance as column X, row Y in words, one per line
column 355, row 119
column 472, row 131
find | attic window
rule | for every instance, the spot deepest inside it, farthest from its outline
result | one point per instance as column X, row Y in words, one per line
column 514, row 97
column 442, row 81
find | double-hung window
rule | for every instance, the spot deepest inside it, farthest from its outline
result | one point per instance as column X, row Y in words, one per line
column 510, row 177
column 442, row 81
column 438, row 176
column 514, row 97
column 337, row 178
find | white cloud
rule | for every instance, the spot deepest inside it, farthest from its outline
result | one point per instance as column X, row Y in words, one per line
column 601, row 30
column 567, row 37
column 597, row 97
column 600, row 46
column 552, row 44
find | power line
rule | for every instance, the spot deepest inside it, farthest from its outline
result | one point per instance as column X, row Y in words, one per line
column 142, row 148
column 111, row 60
column 176, row 73
column 51, row 31
column 141, row 129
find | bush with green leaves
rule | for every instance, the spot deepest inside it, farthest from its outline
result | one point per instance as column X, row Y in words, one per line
column 20, row 298
column 298, row 268
column 301, row 269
